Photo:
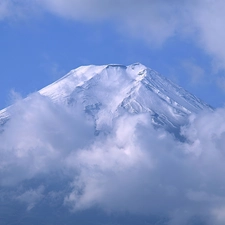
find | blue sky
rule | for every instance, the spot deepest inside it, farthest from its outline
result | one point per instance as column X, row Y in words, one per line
column 43, row 40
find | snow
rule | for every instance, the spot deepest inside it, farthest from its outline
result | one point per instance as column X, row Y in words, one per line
column 108, row 91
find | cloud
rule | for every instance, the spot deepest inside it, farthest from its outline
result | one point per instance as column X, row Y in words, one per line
column 31, row 197
column 208, row 19
column 155, row 22
column 15, row 9
column 195, row 72
column 51, row 153
column 152, row 21
column 35, row 136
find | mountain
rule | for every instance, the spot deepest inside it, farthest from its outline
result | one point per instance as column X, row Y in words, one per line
column 107, row 92
column 54, row 161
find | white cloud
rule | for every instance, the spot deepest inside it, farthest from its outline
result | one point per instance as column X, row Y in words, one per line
column 34, row 140
column 153, row 21
column 208, row 19
column 49, row 153
column 156, row 21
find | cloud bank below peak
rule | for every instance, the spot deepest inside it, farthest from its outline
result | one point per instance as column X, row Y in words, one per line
column 58, row 159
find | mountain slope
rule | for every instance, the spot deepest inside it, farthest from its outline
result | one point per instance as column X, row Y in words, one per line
column 108, row 91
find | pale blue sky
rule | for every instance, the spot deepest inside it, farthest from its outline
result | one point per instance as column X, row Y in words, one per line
column 40, row 42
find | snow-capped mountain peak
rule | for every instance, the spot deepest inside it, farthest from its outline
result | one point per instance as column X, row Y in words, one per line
column 106, row 92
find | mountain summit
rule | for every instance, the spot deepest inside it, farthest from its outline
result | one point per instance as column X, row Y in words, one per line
column 106, row 92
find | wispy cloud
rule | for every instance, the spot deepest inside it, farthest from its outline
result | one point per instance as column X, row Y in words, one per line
column 153, row 21
column 16, row 10
column 195, row 72
column 31, row 197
